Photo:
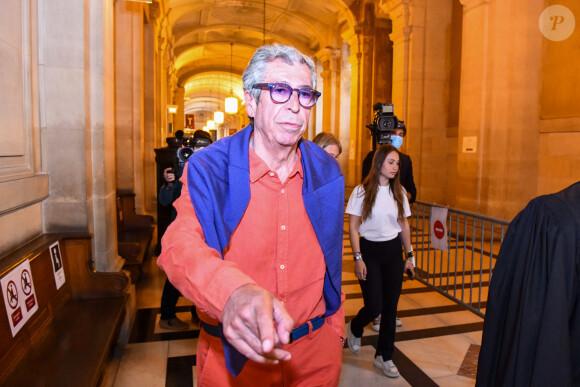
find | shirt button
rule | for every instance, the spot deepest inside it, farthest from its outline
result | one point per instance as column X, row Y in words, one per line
column 271, row 173
column 283, row 190
column 282, row 267
column 283, row 227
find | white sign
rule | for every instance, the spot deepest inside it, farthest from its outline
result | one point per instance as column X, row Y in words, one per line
column 439, row 228
column 57, row 267
column 470, row 144
column 19, row 296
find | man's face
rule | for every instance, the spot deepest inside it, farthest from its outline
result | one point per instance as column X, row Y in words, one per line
column 280, row 124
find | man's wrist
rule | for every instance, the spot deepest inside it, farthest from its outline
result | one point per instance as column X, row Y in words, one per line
column 357, row 256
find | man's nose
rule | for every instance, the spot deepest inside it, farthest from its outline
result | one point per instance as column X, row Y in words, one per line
column 293, row 102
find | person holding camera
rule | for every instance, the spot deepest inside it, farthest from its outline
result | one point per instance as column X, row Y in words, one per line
column 396, row 138
column 168, row 194
column 378, row 211
column 257, row 242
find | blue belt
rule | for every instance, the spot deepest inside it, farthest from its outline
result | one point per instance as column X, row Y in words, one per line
column 296, row 334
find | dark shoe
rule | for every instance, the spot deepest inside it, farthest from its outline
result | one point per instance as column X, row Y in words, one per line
column 174, row 324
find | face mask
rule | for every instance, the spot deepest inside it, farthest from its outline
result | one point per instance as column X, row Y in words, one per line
column 396, row 141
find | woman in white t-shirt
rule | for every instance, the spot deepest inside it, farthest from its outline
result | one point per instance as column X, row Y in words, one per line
column 381, row 204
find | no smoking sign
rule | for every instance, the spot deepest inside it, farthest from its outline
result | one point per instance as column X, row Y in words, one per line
column 19, row 296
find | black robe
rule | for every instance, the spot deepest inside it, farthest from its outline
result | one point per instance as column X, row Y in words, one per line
column 531, row 332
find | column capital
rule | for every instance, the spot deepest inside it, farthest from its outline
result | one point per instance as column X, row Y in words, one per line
column 327, row 54
column 391, row 8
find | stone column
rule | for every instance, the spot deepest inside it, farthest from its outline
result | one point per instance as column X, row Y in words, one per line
column 501, row 60
column 330, row 59
column 150, row 177
column 361, row 61
column 473, row 121
column 179, row 117
column 129, row 99
column 100, row 130
column 408, row 37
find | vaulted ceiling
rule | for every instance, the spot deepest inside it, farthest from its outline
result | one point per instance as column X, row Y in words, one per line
column 214, row 40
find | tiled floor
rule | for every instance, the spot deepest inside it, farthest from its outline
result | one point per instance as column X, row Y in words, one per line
column 438, row 343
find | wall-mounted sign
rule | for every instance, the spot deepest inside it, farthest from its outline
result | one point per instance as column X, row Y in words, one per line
column 19, row 296
column 58, row 270
column 470, row 144
column 189, row 121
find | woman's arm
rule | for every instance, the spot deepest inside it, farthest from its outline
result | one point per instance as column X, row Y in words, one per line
column 406, row 239
column 360, row 269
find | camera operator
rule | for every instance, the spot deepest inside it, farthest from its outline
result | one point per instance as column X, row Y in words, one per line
column 170, row 191
column 388, row 129
column 394, row 137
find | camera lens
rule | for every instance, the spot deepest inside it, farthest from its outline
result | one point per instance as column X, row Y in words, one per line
column 386, row 123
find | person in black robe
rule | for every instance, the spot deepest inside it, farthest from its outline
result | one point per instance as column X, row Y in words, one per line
column 531, row 332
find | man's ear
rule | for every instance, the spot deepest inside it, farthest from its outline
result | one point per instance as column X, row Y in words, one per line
column 250, row 103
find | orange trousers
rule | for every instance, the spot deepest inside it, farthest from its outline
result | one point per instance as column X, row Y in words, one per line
column 316, row 361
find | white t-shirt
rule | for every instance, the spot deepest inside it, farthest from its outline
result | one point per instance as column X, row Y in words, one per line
column 382, row 225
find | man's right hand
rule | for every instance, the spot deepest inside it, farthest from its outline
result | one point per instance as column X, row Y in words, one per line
column 169, row 175
column 257, row 324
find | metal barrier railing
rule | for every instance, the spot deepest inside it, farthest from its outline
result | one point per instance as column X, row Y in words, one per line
column 463, row 271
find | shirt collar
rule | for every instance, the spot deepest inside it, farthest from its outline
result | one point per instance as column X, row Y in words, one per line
column 258, row 168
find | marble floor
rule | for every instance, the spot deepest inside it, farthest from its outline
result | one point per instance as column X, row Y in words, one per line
column 437, row 345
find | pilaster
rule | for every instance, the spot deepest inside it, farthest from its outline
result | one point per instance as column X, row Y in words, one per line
column 474, row 104
column 330, row 60
column 361, row 61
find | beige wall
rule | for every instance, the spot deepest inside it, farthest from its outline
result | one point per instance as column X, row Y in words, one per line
column 23, row 181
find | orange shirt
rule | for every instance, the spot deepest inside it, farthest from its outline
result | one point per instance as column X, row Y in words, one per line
column 274, row 246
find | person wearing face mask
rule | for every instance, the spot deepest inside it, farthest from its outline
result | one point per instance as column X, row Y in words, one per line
column 406, row 178
column 406, row 165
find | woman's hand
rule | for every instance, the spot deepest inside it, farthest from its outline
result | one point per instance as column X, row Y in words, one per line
column 360, row 270
column 409, row 266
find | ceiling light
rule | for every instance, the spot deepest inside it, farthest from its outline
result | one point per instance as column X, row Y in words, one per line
column 218, row 117
column 231, row 102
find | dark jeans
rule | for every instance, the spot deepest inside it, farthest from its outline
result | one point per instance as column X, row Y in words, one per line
column 169, row 300
column 381, row 291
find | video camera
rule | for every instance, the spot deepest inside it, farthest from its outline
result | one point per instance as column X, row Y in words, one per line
column 190, row 146
column 200, row 139
column 384, row 123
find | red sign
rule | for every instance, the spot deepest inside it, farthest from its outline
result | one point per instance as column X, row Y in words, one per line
column 439, row 229
column 189, row 121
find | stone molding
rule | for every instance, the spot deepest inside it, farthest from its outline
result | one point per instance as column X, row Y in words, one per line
column 470, row 4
